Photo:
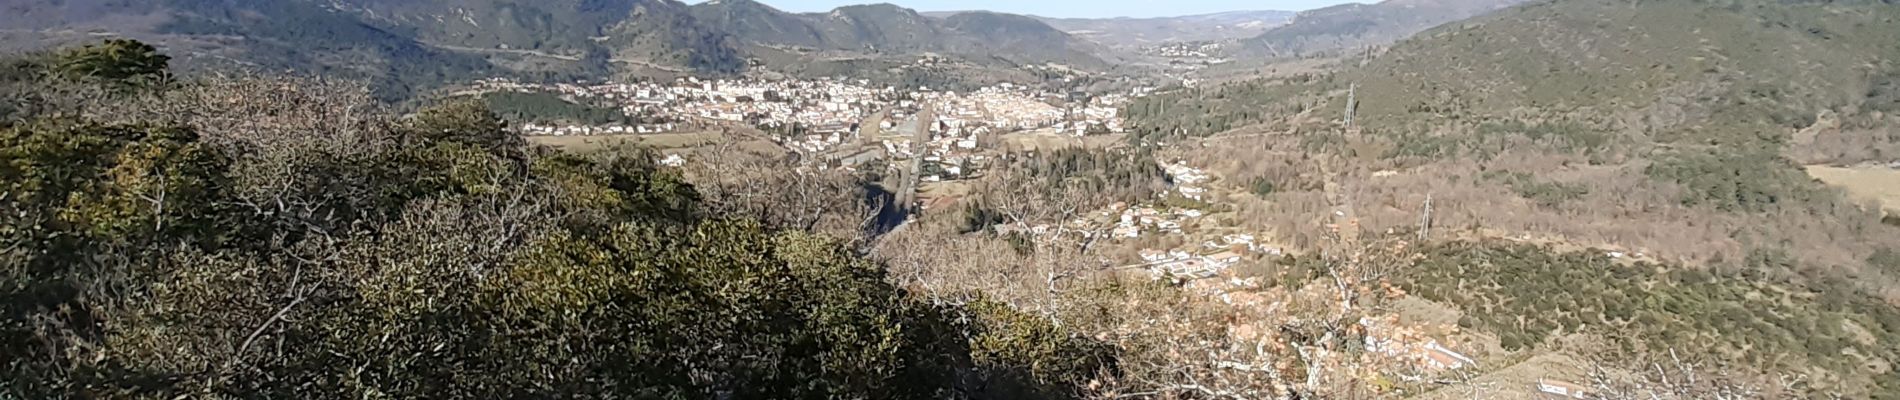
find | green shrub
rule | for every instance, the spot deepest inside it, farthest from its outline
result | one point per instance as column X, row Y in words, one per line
column 1527, row 294
column 440, row 257
column 1261, row 186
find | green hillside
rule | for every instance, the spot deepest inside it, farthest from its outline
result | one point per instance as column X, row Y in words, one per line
column 753, row 21
column 557, row 26
column 1592, row 122
column 1648, row 67
column 408, row 46
column 284, row 238
column 546, row 108
column 1733, row 62
column 1354, row 25
column 650, row 31
column 1021, row 39
column 276, row 35
column 1134, row 33
column 1530, row 294
column 890, row 30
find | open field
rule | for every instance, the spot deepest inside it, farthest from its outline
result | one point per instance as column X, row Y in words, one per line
column 938, row 195
column 947, row 188
column 1876, row 183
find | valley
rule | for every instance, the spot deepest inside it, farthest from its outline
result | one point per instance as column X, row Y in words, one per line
column 1556, row 199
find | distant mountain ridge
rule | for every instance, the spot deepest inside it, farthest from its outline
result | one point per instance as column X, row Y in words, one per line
column 1355, row 25
column 660, row 32
column 271, row 35
column 419, row 43
column 1131, row 32
column 889, row 29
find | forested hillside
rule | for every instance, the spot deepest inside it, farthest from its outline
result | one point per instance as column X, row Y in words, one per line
column 1607, row 196
column 1651, row 67
column 288, row 238
column 1354, row 26
column 230, row 34
column 1141, row 32
column 886, row 29
column 406, row 48
column 1673, row 131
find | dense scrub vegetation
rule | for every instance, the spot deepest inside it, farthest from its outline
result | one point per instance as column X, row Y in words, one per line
column 550, row 108
column 1714, row 105
column 1200, row 112
column 1748, row 181
column 1675, row 129
column 1528, row 295
column 1109, row 174
column 1548, row 194
column 311, row 38
column 1036, row 187
column 296, row 243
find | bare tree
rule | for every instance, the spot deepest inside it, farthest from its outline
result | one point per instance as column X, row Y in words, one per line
column 785, row 192
column 1673, row 378
column 1044, row 213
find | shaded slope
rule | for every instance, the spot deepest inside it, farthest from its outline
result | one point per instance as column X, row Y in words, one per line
column 751, row 20
column 1020, row 38
column 292, row 35
column 655, row 31
column 885, row 29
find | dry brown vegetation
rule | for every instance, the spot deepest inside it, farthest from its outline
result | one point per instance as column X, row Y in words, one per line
column 780, row 192
column 1177, row 342
column 1615, row 207
column 597, row 142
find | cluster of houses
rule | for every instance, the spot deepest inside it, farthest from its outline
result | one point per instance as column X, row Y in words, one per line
column 1004, row 106
column 1137, row 219
column 534, row 129
column 951, row 152
column 1411, row 346
column 1188, row 181
column 1187, row 50
column 822, row 140
column 819, row 116
column 1217, row 257
column 822, row 108
column 1181, row 265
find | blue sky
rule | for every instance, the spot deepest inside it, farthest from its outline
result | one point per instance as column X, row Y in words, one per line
column 1070, row 8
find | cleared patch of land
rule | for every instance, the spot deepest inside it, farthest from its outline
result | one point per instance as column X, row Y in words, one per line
column 1875, row 183
column 938, row 195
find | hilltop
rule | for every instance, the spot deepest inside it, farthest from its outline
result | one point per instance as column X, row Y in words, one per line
column 884, row 29
column 271, row 35
column 1143, row 32
column 1354, row 25
column 409, row 45
column 658, row 32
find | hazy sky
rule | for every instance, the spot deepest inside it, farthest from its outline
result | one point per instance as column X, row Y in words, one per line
column 1070, row 8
